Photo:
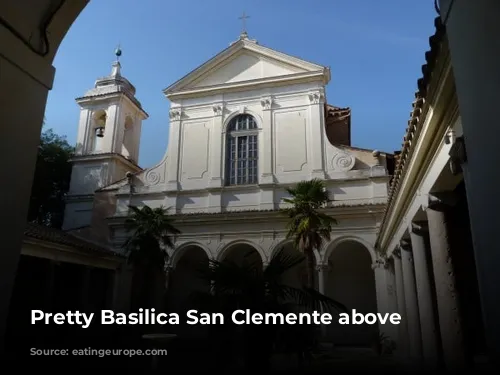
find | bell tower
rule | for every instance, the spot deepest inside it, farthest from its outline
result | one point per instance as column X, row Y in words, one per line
column 107, row 145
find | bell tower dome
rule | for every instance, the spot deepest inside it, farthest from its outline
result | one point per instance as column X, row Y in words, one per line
column 107, row 145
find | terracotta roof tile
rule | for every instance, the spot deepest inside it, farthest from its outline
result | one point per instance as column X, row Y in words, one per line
column 414, row 121
column 61, row 237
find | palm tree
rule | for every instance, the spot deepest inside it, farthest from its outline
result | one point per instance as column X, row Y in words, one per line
column 247, row 286
column 308, row 226
column 152, row 234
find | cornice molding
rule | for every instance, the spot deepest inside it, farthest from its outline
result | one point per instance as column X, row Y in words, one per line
column 340, row 213
column 104, row 156
column 84, row 101
column 289, row 79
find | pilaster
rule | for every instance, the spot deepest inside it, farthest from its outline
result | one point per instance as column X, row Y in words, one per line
column 266, row 142
column 172, row 183
column 316, row 133
column 216, row 146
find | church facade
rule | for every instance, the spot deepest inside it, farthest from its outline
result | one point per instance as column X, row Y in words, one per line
column 244, row 126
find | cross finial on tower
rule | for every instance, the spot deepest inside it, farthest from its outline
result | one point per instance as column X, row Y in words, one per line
column 243, row 19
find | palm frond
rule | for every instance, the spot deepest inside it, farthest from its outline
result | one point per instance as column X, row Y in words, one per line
column 151, row 232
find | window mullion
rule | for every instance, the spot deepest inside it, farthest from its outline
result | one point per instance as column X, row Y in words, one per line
column 243, row 130
column 236, row 158
column 247, row 180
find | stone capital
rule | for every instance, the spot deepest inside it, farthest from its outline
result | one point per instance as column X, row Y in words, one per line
column 379, row 263
column 175, row 114
column 267, row 102
column 168, row 267
column 458, row 155
column 442, row 201
column 323, row 268
column 405, row 245
column 218, row 109
column 418, row 227
column 317, row 97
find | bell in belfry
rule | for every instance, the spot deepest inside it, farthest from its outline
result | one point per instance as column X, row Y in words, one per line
column 99, row 131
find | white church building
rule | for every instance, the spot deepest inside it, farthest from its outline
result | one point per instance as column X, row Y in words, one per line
column 244, row 126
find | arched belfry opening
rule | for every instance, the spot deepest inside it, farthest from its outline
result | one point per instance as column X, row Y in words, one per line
column 351, row 280
column 98, row 130
column 128, row 145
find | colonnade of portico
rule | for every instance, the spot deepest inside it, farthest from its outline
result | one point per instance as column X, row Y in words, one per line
column 425, row 261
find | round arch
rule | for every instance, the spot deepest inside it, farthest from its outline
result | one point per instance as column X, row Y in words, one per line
column 222, row 253
column 99, row 113
column 287, row 242
column 330, row 248
column 177, row 254
column 350, row 279
column 234, row 114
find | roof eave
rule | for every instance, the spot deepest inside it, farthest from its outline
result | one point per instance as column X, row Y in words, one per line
column 113, row 95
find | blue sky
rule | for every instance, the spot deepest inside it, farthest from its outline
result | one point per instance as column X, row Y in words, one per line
column 375, row 50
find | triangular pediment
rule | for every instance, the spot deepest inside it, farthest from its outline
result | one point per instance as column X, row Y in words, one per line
column 244, row 61
column 246, row 66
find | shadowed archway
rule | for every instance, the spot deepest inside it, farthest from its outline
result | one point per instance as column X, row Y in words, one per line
column 185, row 281
column 241, row 254
column 296, row 276
column 351, row 279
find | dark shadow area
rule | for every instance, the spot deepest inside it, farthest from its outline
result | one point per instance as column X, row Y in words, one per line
column 465, row 268
column 351, row 280
column 239, row 281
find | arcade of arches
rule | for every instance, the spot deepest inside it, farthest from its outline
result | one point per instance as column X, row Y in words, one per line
column 346, row 275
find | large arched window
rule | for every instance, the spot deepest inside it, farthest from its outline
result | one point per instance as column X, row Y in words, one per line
column 242, row 151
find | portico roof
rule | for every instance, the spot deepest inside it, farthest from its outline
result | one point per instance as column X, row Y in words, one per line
column 414, row 123
column 60, row 237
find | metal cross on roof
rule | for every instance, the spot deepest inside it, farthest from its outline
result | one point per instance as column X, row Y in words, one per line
column 243, row 19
